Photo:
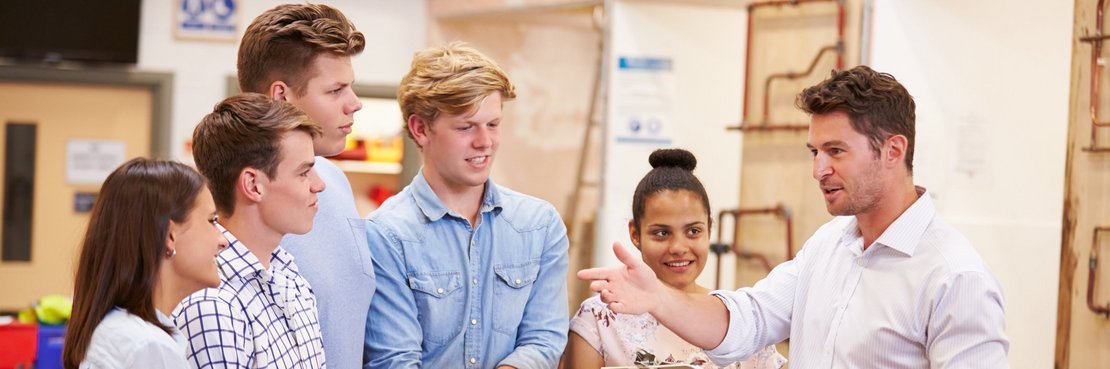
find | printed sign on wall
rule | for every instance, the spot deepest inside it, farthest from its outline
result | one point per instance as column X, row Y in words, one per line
column 91, row 161
column 215, row 20
column 642, row 100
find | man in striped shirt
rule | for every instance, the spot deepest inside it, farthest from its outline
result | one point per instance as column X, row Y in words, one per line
column 885, row 284
column 257, row 155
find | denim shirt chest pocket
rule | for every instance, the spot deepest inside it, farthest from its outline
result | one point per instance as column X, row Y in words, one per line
column 511, row 290
column 440, row 304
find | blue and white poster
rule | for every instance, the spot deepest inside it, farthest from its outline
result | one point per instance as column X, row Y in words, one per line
column 215, row 20
column 642, row 100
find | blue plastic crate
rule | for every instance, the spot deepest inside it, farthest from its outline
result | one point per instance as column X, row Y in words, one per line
column 51, row 339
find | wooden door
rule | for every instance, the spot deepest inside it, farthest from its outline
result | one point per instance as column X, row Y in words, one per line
column 61, row 113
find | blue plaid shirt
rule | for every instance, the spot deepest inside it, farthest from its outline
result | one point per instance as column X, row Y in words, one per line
column 454, row 296
column 257, row 318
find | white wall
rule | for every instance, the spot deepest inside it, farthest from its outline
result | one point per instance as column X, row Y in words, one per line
column 394, row 31
column 991, row 80
column 706, row 45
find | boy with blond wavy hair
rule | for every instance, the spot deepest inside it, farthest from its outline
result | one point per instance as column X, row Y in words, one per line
column 473, row 274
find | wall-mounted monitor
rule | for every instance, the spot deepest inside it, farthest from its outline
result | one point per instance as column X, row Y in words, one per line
column 70, row 30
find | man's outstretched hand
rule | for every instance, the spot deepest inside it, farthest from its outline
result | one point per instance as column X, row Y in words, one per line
column 629, row 288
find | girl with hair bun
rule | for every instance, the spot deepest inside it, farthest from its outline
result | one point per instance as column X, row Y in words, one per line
column 670, row 226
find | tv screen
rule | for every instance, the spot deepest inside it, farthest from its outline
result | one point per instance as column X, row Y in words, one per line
column 70, row 30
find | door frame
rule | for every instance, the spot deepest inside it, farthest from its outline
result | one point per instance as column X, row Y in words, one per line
column 159, row 84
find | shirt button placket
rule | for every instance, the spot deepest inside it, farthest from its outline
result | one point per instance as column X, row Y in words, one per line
column 471, row 340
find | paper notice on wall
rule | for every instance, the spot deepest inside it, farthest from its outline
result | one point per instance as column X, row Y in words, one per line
column 643, row 98
column 91, row 161
column 972, row 169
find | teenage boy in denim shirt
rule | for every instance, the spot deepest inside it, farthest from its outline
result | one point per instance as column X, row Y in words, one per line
column 470, row 274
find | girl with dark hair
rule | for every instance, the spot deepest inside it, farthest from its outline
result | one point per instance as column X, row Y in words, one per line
column 152, row 240
column 670, row 226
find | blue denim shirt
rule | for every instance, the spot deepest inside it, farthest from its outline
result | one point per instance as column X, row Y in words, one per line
column 453, row 296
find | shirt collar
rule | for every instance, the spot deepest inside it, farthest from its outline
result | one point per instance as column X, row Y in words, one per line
column 237, row 261
column 165, row 320
column 434, row 209
column 905, row 233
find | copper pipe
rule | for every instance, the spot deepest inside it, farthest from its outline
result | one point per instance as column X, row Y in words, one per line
column 1094, row 38
column 783, row 213
column 755, row 255
column 745, row 125
column 732, row 247
column 1104, row 309
column 747, row 61
column 840, row 25
column 1096, row 70
column 779, row 210
column 720, row 221
column 791, row 76
column 789, row 220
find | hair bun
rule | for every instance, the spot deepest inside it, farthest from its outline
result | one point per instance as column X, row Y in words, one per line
column 673, row 158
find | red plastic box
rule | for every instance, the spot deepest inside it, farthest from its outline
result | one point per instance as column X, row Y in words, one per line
column 18, row 345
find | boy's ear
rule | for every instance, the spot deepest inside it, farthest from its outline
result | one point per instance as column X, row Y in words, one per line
column 279, row 91
column 250, row 184
column 419, row 129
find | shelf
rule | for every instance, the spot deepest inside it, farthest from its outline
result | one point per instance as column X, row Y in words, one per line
column 368, row 167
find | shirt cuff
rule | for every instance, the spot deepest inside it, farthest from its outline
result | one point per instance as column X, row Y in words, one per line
column 525, row 357
column 725, row 353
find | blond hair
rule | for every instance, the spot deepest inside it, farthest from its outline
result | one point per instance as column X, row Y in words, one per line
column 452, row 79
column 281, row 44
column 244, row 131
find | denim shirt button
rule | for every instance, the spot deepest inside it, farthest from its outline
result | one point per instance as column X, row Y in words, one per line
column 475, row 280
column 439, row 291
column 473, row 321
column 473, row 360
column 517, row 281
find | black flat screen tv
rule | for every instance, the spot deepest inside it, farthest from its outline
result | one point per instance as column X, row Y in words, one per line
column 96, row 31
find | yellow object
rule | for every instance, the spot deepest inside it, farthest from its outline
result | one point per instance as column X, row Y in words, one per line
column 386, row 150
column 350, row 143
column 27, row 316
column 54, row 309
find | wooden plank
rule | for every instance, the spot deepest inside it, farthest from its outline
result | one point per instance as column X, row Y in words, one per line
column 776, row 167
column 1082, row 334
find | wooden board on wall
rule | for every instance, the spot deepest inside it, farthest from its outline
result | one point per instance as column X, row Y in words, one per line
column 775, row 165
column 1081, row 334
